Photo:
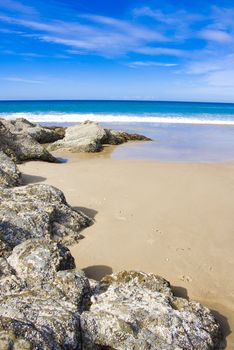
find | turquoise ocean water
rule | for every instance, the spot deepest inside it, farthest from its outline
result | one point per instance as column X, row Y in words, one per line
column 181, row 130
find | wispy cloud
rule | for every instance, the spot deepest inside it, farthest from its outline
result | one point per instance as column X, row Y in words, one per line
column 137, row 64
column 169, row 18
column 157, row 51
column 213, row 72
column 215, row 35
column 22, row 80
column 22, row 54
column 137, row 31
column 99, row 35
column 177, row 22
column 12, row 5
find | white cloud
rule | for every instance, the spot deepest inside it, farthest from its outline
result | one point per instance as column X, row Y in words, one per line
column 157, row 51
column 171, row 18
column 22, row 80
column 136, row 31
column 12, row 5
column 103, row 36
column 215, row 35
column 221, row 78
column 137, row 64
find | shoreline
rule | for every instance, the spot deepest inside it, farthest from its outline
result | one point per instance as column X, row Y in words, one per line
column 169, row 218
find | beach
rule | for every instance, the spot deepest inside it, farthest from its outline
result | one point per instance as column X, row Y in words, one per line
column 173, row 219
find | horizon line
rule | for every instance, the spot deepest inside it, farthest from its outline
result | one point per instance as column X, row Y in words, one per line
column 111, row 100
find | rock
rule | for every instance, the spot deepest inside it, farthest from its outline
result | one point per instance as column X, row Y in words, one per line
column 90, row 137
column 9, row 173
column 37, row 132
column 119, row 137
column 20, row 147
column 86, row 137
column 134, row 310
column 43, row 311
column 34, row 262
column 36, row 211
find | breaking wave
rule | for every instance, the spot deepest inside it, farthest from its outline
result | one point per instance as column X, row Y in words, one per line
column 56, row 117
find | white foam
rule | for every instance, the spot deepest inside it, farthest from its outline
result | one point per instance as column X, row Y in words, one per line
column 113, row 118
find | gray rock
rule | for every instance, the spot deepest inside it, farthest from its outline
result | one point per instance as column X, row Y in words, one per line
column 36, row 211
column 20, row 147
column 90, row 137
column 9, row 173
column 119, row 137
column 33, row 261
column 45, row 304
column 86, row 137
column 37, row 132
column 44, row 308
column 133, row 310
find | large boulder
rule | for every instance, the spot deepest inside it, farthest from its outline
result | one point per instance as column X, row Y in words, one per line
column 90, row 137
column 36, row 211
column 22, row 147
column 46, row 304
column 133, row 310
column 86, row 137
column 9, row 173
column 41, row 298
column 36, row 131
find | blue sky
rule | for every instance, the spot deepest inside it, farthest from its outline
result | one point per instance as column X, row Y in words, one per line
column 125, row 49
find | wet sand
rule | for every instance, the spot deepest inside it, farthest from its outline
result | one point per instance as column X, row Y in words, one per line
column 172, row 219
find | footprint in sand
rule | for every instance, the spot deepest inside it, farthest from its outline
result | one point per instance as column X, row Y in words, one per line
column 185, row 278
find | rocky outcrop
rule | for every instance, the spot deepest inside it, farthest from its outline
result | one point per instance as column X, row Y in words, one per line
column 9, row 174
column 41, row 298
column 20, row 147
column 37, row 132
column 46, row 304
column 134, row 310
column 37, row 211
column 90, row 137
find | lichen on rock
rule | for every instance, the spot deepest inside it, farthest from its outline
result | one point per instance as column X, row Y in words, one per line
column 43, row 309
column 36, row 211
column 9, row 173
column 134, row 310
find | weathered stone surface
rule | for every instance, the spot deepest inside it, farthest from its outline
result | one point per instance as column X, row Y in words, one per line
column 34, row 262
column 45, row 304
column 43, row 309
column 20, row 147
column 90, row 137
column 36, row 131
column 86, row 137
column 9, row 174
column 119, row 137
column 133, row 310
column 37, row 211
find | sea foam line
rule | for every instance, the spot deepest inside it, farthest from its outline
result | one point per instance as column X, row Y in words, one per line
column 113, row 118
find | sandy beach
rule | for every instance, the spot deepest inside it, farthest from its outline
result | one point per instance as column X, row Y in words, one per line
column 172, row 219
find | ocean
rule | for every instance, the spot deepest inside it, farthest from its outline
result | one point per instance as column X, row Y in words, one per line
column 121, row 111
column 182, row 131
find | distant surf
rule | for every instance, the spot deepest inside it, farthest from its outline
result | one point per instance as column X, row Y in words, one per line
column 129, row 112
column 112, row 118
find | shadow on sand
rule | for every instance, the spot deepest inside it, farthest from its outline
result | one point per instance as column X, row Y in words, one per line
column 87, row 211
column 97, row 272
column 31, row 179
